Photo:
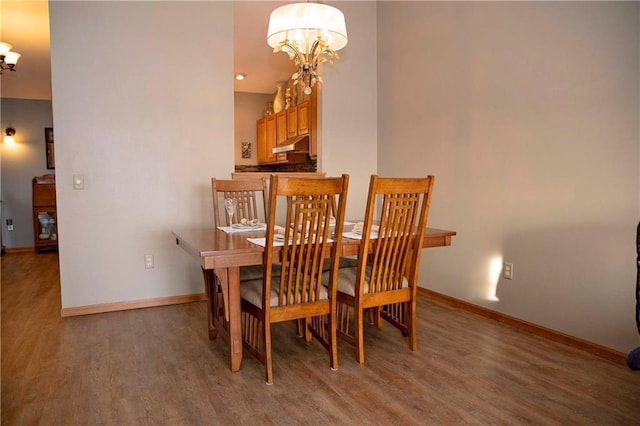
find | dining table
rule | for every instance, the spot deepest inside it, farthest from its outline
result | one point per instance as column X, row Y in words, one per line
column 221, row 254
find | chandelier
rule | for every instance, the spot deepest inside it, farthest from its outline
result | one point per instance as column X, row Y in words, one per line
column 310, row 33
column 8, row 59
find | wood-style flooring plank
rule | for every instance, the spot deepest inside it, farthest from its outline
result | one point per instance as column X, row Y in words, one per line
column 156, row 366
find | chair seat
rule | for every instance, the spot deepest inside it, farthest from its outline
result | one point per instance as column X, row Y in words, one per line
column 345, row 262
column 249, row 273
column 251, row 291
column 347, row 281
column 254, row 272
column 251, row 279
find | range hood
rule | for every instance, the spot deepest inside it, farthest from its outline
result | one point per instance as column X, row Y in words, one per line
column 299, row 144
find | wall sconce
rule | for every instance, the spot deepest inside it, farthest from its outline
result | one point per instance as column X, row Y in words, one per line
column 8, row 138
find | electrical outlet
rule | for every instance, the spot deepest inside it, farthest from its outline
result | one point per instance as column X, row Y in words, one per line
column 9, row 224
column 148, row 261
column 78, row 181
column 507, row 270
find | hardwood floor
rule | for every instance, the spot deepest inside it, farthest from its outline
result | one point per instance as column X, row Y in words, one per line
column 157, row 366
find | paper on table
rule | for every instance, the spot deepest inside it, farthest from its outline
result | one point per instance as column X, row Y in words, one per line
column 263, row 242
column 356, row 231
column 332, row 222
column 358, row 235
column 243, row 228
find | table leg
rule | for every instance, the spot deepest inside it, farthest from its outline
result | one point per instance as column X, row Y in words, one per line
column 212, row 297
column 230, row 282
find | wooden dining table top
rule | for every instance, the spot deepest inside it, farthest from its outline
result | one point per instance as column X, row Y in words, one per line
column 209, row 243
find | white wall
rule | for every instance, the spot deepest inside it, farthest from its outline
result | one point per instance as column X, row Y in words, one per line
column 143, row 108
column 349, row 107
column 527, row 114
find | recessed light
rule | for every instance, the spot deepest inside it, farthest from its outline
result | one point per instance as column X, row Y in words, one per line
column 240, row 76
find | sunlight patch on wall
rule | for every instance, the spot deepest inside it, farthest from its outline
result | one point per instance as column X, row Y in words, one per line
column 495, row 268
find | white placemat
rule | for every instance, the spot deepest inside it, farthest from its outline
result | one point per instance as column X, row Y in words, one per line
column 262, row 242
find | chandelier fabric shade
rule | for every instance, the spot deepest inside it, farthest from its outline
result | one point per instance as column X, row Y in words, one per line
column 303, row 23
column 310, row 33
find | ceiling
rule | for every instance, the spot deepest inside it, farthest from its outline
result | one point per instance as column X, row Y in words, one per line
column 252, row 54
column 25, row 24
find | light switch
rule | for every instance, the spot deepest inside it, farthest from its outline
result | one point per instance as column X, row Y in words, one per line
column 78, row 182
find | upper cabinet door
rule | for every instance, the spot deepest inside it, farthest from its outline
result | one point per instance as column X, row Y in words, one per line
column 292, row 122
column 271, row 139
column 281, row 127
column 261, row 137
column 303, row 118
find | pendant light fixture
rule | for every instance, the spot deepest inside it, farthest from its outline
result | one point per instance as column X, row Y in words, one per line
column 310, row 33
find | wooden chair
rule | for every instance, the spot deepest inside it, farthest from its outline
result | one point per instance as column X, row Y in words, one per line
column 251, row 198
column 250, row 194
column 300, row 291
column 385, row 279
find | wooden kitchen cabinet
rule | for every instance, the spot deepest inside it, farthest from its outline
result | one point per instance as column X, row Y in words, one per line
column 298, row 120
column 275, row 129
column 266, row 139
column 45, row 220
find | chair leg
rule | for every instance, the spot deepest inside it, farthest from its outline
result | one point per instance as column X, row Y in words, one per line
column 333, row 339
column 359, row 334
column 267, row 353
column 377, row 317
column 370, row 316
column 305, row 330
column 411, row 325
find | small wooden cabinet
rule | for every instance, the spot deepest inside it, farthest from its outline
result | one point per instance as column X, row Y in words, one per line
column 45, row 220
